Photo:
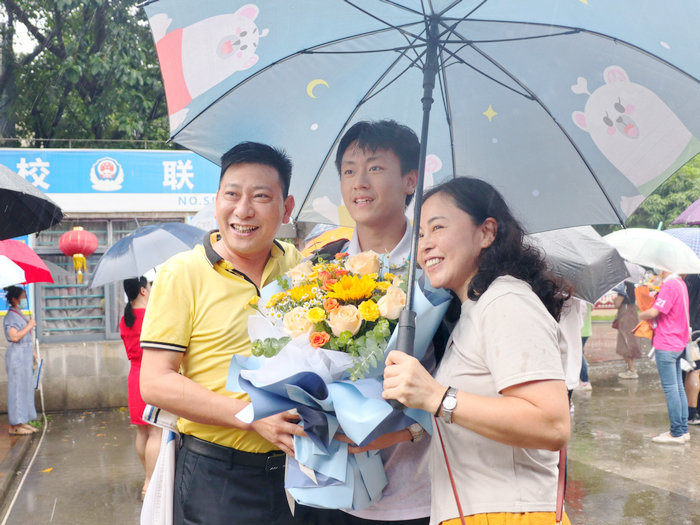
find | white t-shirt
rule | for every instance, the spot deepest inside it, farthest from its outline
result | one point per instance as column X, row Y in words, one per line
column 505, row 338
column 407, row 494
column 570, row 323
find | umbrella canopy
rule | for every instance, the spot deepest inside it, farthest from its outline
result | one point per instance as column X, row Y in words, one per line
column 691, row 215
column 654, row 249
column 690, row 236
column 23, row 208
column 35, row 270
column 573, row 113
column 205, row 218
column 636, row 272
column 143, row 249
column 580, row 256
column 10, row 273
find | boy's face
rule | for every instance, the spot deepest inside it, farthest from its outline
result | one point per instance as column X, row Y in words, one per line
column 249, row 209
column 372, row 186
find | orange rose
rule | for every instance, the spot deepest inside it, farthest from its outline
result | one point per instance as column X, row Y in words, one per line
column 318, row 339
column 328, row 283
column 330, row 304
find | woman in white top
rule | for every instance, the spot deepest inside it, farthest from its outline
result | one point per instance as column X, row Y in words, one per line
column 499, row 394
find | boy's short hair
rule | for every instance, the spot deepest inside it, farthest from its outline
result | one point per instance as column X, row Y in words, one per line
column 383, row 134
column 257, row 153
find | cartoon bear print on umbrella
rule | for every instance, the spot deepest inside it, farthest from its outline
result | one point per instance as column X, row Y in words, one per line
column 635, row 130
column 197, row 57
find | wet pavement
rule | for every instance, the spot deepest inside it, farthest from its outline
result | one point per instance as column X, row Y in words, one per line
column 86, row 470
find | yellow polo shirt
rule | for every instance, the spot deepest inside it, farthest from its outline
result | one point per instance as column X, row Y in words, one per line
column 196, row 307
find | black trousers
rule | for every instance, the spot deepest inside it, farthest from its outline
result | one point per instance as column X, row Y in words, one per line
column 211, row 491
column 314, row 516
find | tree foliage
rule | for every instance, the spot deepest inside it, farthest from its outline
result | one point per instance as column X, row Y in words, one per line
column 670, row 199
column 93, row 73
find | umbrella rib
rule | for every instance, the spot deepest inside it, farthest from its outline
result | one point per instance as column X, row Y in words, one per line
column 459, row 2
column 544, row 107
column 402, row 7
column 442, row 79
column 399, row 75
column 375, row 17
column 572, row 30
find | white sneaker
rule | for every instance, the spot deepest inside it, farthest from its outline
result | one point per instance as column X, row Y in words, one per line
column 628, row 374
column 584, row 385
column 686, row 436
column 667, row 438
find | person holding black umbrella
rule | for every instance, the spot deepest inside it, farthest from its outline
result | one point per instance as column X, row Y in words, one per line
column 18, row 362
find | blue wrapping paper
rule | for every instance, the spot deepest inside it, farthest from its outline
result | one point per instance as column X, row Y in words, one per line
column 313, row 381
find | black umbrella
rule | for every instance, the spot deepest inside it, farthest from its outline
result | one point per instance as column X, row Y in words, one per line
column 583, row 258
column 23, row 208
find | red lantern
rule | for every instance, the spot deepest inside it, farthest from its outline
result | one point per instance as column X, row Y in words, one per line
column 79, row 244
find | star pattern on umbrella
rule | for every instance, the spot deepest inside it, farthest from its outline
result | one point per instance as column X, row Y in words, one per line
column 490, row 113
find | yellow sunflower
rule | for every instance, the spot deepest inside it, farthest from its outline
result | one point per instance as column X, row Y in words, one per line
column 276, row 298
column 300, row 293
column 352, row 288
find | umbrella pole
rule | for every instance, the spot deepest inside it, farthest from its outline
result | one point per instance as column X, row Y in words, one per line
column 407, row 318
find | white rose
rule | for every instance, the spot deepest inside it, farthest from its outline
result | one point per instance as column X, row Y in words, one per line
column 296, row 323
column 300, row 272
column 363, row 263
column 345, row 318
column 392, row 303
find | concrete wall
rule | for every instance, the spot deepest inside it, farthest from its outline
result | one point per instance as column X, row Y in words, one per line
column 78, row 375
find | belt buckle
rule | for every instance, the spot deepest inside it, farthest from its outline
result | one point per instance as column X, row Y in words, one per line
column 274, row 462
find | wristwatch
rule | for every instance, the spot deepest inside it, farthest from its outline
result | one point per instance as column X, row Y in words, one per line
column 416, row 432
column 449, row 403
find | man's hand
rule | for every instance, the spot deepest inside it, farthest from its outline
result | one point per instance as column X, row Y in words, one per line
column 279, row 429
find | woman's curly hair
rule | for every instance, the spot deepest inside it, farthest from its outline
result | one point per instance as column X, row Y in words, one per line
column 508, row 254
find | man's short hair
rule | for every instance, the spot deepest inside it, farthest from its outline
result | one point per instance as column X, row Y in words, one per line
column 256, row 153
column 383, row 134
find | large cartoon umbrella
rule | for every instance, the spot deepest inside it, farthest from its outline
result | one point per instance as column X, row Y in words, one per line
column 24, row 208
column 576, row 111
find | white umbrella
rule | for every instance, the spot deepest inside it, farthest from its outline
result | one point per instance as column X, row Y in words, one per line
column 654, row 249
column 10, row 273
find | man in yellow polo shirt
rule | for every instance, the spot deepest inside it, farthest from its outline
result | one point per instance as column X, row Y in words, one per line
column 227, row 471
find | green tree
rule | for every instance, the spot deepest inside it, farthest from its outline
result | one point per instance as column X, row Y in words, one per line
column 93, row 73
column 667, row 202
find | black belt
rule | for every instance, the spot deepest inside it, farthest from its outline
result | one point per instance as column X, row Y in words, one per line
column 269, row 461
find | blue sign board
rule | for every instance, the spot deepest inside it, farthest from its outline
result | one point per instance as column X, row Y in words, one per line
column 117, row 180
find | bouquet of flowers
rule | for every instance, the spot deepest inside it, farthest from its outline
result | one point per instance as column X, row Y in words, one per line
column 348, row 304
column 318, row 342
